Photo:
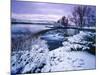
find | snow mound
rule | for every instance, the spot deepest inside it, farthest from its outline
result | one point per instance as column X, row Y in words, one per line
column 30, row 61
column 81, row 41
column 82, row 37
column 60, row 60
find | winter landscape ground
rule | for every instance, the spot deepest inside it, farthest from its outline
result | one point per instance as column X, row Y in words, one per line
column 52, row 51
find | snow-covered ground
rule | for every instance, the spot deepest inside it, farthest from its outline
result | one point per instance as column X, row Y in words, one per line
column 43, row 60
column 30, row 60
column 81, row 41
column 61, row 60
column 72, row 55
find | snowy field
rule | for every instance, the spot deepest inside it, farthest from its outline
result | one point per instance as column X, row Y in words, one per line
column 76, row 53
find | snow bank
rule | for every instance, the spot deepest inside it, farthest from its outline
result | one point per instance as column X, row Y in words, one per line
column 81, row 41
column 71, row 56
column 60, row 60
column 31, row 60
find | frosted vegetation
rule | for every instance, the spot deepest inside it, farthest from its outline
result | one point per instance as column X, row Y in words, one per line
column 35, row 55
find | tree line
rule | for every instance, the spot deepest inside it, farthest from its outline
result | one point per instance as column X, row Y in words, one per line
column 82, row 15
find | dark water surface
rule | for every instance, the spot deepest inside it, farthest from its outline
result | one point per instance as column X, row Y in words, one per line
column 55, row 38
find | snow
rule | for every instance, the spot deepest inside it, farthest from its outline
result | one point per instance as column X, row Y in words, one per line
column 80, row 41
column 27, row 61
column 79, row 37
column 60, row 60
column 56, row 60
column 72, row 55
column 52, row 37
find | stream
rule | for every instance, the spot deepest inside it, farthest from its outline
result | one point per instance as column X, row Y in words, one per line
column 53, row 38
column 56, row 37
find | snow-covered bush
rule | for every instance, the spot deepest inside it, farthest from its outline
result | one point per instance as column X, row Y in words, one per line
column 82, row 41
column 30, row 61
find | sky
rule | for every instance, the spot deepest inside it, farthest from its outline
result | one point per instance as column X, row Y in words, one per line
column 40, row 10
column 34, row 9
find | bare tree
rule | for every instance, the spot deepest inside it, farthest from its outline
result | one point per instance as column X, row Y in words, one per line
column 63, row 21
column 81, row 15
